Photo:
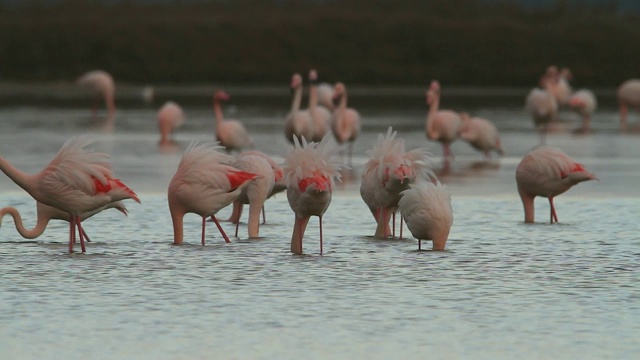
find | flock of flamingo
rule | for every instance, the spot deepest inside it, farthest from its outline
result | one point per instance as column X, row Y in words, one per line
column 79, row 182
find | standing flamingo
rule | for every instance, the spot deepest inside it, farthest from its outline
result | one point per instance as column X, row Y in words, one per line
column 388, row 172
column 561, row 88
column 45, row 213
column 542, row 106
column 230, row 133
column 319, row 114
column 298, row 122
column 310, row 173
column 345, row 122
column 628, row 96
column 442, row 125
column 203, row 184
column 481, row 134
column 101, row 84
column 279, row 186
column 325, row 95
column 170, row 117
column 584, row 103
column 426, row 207
column 77, row 181
column 256, row 193
column 547, row 172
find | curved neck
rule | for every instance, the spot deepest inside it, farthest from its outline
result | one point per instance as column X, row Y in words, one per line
column 297, row 98
column 527, row 203
column 22, row 179
column 313, row 96
column 298, row 233
column 177, row 217
column 41, row 223
column 343, row 101
column 433, row 109
column 217, row 108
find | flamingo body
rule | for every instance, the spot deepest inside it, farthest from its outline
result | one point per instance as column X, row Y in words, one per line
column 326, row 95
column 170, row 117
column 547, row 172
column 584, row 103
column 628, row 96
column 101, row 83
column 481, row 134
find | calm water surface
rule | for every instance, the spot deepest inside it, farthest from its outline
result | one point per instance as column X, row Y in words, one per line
column 502, row 289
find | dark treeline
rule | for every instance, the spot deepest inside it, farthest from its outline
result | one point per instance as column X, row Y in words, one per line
column 460, row 42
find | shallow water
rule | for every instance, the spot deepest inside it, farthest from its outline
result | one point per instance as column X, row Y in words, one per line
column 502, row 289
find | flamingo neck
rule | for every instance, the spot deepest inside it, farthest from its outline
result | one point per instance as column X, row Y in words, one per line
column 313, row 96
column 217, row 108
column 177, row 217
column 22, row 179
column 527, row 203
column 41, row 223
column 297, row 98
column 298, row 232
column 433, row 109
column 343, row 102
column 255, row 209
column 110, row 102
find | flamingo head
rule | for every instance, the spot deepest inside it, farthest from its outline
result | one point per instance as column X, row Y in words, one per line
column 338, row 90
column 313, row 76
column 220, row 95
column 296, row 81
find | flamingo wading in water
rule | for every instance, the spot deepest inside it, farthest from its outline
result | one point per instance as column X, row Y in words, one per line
column 310, row 173
column 298, row 122
column 442, row 125
column 481, row 134
column 628, row 96
column 543, row 106
column 547, row 172
column 320, row 115
column 76, row 181
column 170, row 117
column 345, row 122
column 584, row 103
column 203, row 184
column 101, row 84
column 230, row 133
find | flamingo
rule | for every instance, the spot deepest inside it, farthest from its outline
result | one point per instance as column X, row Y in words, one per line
column 345, row 122
column 256, row 193
column 101, row 84
column 319, row 114
column 170, row 117
column 203, row 184
column 542, row 106
column 547, row 172
column 628, row 96
column 298, row 122
column 584, row 103
column 279, row 185
column 442, row 125
column 325, row 96
column 76, row 181
column 561, row 88
column 45, row 213
column 230, row 133
column 426, row 207
column 481, row 134
column 310, row 174
column 388, row 172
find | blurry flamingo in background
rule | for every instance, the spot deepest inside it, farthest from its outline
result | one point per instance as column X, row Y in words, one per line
column 45, row 213
column 388, row 172
column 584, row 103
column 345, row 121
column 426, row 207
column 77, row 181
column 481, row 134
column 319, row 114
column 279, row 185
column 310, row 172
column 325, row 96
column 542, row 106
column 170, row 117
column 230, row 133
column 547, row 172
column 628, row 96
column 442, row 125
column 101, row 84
column 203, row 184
column 256, row 192
column 561, row 88
column 298, row 122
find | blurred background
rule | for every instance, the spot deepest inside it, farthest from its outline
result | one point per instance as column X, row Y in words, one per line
column 364, row 42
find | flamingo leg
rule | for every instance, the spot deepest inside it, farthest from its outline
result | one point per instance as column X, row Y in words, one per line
column 419, row 244
column 224, row 235
column 203, row 226
column 393, row 222
column 320, row 222
column 554, row 216
column 80, row 233
column 72, row 233
column 237, row 226
column 264, row 216
column 401, row 225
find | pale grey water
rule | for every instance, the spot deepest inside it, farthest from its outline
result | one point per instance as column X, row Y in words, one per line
column 502, row 289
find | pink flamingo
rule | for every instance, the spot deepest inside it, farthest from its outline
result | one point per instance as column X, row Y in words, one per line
column 230, row 133
column 101, row 84
column 481, row 134
column 170, row 117
column 388, row 172
column 325, row 96
column 203, row 184
column 319, row 114
column 542, row 106
column 628, row 96
column 547, row 172
column 255, row 193
column 77, row 181
column 561, row 88
column 45, row 213
column 426, row 207
column 584, row 103
column 345, row 122
column 442, row 125
column 279, row 186
column 298, row 122
column 310, row 173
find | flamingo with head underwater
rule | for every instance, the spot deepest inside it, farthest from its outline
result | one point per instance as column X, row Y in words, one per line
column 310, row 172
column 481, row 134
column 100, row 83
column 547, row 172
column 628, row 96
column 77, row 181
column 170, row 117
column 203, row 184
